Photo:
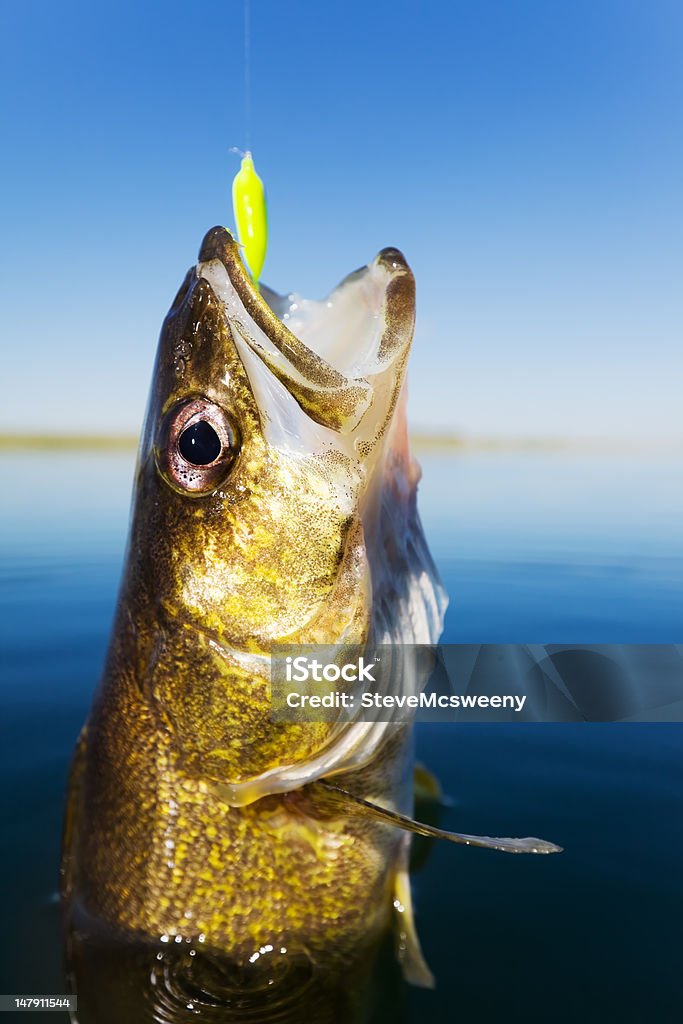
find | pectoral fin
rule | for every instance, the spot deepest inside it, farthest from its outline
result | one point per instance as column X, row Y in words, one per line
column 530, row 844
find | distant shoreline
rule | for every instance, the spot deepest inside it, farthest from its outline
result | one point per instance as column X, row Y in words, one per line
column 68, row 442
column 422, row 443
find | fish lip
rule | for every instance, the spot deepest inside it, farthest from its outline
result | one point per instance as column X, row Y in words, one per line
column 219, row 244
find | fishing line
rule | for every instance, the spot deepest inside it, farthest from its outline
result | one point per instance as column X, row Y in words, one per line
column 247, row 74
column 248, row 193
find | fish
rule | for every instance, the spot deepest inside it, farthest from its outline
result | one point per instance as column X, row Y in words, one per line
column 217, row 862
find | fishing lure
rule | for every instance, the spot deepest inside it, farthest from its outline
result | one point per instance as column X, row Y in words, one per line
column 251, row 216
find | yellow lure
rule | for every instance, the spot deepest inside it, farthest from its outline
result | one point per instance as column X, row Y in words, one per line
column 251, row 216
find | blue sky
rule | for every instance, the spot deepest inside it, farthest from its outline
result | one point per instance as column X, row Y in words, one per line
column 526, row 156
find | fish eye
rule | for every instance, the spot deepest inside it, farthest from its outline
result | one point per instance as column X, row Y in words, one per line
column 197, row 446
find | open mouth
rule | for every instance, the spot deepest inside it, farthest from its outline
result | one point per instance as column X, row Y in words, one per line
column 331, row 355
column 344, row 329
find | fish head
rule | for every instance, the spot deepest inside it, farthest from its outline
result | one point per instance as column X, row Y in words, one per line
column 274, row 463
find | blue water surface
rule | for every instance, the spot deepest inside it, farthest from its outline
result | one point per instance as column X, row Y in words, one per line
column 533, row 548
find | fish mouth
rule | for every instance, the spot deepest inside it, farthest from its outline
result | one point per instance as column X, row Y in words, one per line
column 336, row 356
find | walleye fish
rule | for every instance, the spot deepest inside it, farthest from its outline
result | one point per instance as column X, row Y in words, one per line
column 209, row 867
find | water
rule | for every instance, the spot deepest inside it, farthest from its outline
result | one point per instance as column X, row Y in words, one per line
column 533, row 548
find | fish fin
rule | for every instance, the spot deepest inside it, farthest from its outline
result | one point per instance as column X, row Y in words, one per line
column 411, row 958
column 426, row 786
column 530, row 844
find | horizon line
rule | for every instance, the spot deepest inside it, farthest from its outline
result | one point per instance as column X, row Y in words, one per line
column 421, row 441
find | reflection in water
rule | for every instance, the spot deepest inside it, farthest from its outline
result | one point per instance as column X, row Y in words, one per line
column 138, row 982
